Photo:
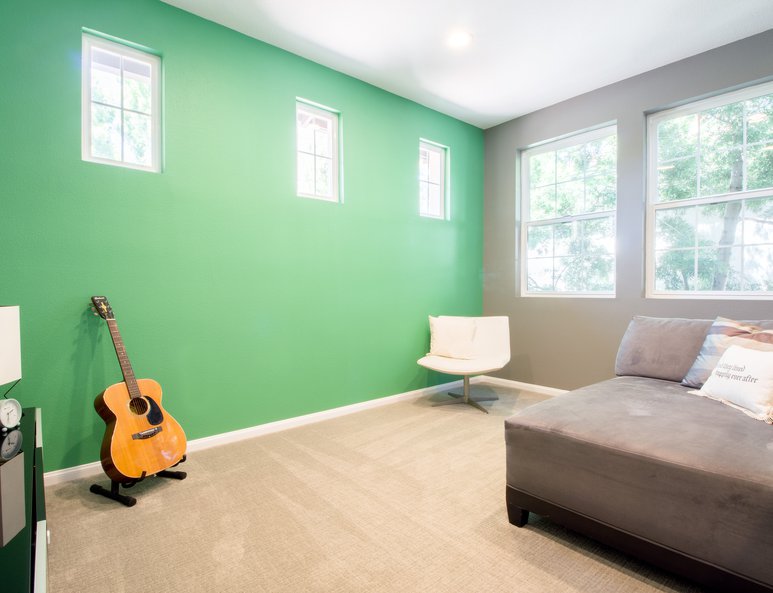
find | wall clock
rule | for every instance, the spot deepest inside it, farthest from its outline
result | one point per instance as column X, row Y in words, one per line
column 10, row 444
column 10, row 413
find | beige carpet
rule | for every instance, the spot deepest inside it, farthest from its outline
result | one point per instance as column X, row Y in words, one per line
column 402, row 498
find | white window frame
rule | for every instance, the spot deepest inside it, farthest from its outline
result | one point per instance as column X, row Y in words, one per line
column 442, row 181
column 334, row 117
column 573, row 139
column 90, row 41
column 654, row 206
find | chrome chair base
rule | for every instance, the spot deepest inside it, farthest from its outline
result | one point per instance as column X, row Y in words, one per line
column 465, row 398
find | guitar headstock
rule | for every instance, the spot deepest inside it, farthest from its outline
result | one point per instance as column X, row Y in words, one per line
column 102, row 307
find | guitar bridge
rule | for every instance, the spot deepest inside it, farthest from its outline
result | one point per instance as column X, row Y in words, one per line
column 146, row 434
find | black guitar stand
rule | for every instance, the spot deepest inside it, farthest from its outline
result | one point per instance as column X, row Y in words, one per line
column 130, row 501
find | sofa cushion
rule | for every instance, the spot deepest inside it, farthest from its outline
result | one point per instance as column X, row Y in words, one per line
column 646, row 457
column 722, row 334
column 661, row 348
column 743, row 379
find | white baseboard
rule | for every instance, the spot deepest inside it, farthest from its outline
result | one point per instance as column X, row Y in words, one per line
column 90, row 469
column 270, row 427
column 518, row 385
column 72, row 473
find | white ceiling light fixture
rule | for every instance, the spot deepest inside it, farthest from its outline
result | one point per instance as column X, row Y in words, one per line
column 459, row 39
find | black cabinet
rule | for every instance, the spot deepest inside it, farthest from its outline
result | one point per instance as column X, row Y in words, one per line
column 23, row 560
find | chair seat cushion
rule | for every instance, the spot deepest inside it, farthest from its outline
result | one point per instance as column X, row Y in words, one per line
column 457, row 366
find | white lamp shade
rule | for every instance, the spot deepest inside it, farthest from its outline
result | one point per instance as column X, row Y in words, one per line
column 10, row 345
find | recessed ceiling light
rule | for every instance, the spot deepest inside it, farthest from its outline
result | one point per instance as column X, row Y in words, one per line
column 459, row 39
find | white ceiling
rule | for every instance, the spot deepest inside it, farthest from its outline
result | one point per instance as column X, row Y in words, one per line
column 524, row 55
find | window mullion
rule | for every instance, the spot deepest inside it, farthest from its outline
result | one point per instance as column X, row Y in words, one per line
column 572, row 218
column 123, row 115
column 743, row 231
column 698, row 157
column 744, row 184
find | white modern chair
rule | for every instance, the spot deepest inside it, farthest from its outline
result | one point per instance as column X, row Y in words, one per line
column 468, row 346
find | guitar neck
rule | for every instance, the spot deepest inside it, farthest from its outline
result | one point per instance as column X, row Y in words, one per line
column 123, row 360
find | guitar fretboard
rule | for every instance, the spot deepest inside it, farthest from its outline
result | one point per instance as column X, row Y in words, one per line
column 123, row 360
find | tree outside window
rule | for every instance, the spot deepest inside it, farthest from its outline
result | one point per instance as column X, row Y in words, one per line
column 121, row 105
column 569, row 199
column 316, row 152
column 710, row 222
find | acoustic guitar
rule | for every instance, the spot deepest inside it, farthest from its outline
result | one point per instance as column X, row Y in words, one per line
column 141, row 438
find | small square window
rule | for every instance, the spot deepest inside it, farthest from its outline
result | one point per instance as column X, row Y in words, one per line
column 121, row 105
column 317, row 152
column 432, row 179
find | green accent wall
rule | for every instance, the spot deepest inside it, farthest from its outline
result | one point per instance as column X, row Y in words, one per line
column 246, row 303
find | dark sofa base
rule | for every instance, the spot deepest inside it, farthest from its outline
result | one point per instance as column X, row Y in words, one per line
column 519, row 504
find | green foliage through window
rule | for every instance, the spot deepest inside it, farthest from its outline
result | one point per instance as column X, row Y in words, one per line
column 317, row 152
column 711, row 197
column 569, row 197
column 121, row 94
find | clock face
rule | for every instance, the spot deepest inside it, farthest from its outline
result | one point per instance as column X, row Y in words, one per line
column 10, row 444
column 10, row 413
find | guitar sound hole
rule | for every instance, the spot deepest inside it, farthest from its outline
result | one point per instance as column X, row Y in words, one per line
column 138, row 405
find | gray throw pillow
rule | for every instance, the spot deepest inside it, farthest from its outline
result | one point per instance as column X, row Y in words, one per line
column 661, row 348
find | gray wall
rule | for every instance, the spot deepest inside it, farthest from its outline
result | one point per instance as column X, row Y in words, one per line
column 569, row 342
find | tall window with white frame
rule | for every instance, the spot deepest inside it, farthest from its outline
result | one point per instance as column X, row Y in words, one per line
column 710, row 198
column 433, row 168
column 121, row 105
column 317, row 158
column 568, row 205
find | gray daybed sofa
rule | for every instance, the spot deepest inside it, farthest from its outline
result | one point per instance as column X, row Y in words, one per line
column 682, row 481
